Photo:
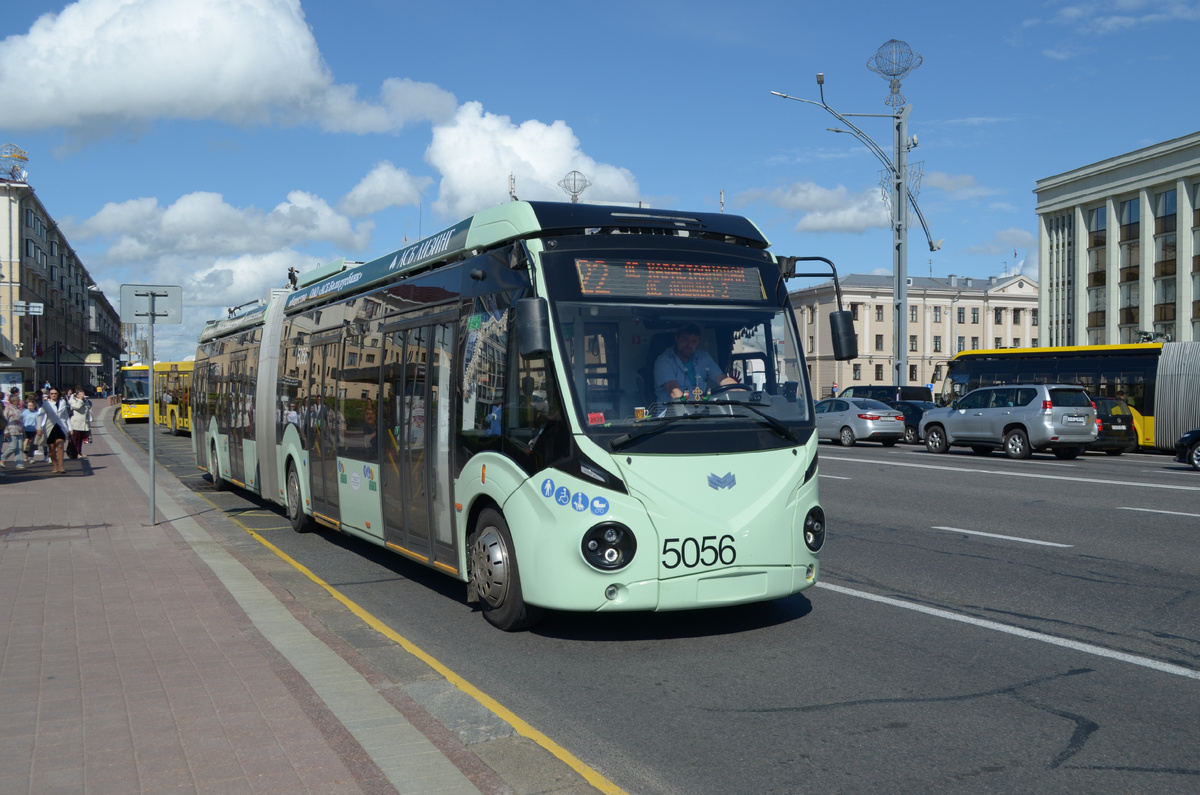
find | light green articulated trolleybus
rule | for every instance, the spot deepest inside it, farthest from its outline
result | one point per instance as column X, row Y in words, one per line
column 490, row 402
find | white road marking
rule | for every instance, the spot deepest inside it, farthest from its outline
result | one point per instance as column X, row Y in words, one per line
column 1086, row 648
column 832, row 477
column 1151, row 510
column 1006, row 538
column 1011, row 474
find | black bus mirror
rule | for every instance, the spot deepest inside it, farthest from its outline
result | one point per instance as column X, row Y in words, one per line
column 845, row 340
column 533, row 327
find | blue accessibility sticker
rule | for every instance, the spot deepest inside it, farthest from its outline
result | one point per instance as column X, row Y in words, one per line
column 580, row 503
column 547, row 488
column 563, row 495
column 599, row 506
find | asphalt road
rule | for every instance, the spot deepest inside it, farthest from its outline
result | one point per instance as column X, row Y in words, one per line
column 982, row 624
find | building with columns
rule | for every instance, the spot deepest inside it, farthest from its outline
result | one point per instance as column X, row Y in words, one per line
column 1119, row 248
column 945, row 316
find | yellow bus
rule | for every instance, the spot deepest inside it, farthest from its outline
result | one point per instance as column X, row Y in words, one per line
column 135, row 392
column 172, row 390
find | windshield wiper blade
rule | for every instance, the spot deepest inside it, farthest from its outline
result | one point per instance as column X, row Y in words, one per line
column 621, row 441
column 783, row 430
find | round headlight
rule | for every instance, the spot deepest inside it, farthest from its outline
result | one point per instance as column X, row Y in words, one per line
column 814, row 529
column 609, row 546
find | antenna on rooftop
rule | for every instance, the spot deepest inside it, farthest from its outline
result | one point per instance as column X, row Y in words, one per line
column 12, row 163
column 512, row 187
column 574, row 183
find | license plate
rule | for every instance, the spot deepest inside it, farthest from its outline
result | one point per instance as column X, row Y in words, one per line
column 1118, row 427
column 1072, row 419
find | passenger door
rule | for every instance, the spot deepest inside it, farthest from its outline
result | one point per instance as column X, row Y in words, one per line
column 419, row 396
column 998, row 414
column 237, row 418
column 966, row 423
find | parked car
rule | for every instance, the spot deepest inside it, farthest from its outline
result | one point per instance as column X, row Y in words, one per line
column 858, row 419
column 1187, row 449
column 1019, row 418
column 912, row 410
column 885, row 393
column 1115, row 425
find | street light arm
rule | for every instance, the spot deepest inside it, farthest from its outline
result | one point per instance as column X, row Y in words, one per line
column 857, row 133
column 879, row 153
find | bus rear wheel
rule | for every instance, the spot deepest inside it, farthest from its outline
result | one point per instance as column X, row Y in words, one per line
column 214, row 468
column 496, row 577
column 295, row 511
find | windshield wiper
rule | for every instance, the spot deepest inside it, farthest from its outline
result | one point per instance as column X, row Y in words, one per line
column 780, row 428
column 621, row 441
column 776, row 425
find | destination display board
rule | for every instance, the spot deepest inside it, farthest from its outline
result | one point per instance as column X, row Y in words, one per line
column 676, row 280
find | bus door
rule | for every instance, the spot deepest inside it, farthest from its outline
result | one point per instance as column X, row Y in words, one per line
column 322, row 428
column 418, row 396
column 237, row 417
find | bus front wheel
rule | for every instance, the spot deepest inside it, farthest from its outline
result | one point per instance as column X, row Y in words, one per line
column 496, row 577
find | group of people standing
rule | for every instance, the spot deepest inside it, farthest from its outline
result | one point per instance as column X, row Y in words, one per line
column 47, row 420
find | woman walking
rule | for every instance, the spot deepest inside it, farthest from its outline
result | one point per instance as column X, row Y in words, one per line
column 54, row 411
column 14, row 431
column 81, row 408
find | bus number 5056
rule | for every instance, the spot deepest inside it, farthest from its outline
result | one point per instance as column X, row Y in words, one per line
column 691, row 553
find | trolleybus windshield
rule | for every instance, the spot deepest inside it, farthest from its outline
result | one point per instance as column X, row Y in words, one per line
column 136, row 388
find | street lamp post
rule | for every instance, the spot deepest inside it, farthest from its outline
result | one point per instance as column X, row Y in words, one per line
column 893, row 60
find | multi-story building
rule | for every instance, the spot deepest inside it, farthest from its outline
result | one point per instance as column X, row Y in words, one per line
column 46, row 306
column 945, row 316
column 1119, row 247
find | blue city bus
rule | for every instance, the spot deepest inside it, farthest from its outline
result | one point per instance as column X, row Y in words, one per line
column 486, row 396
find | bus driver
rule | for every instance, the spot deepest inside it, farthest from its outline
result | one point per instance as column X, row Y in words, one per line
column 684, row 366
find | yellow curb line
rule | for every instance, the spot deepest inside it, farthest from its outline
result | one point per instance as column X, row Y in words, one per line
column 508, row 716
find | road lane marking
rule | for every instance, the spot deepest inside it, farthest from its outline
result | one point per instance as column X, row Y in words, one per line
column 1035, row 475
column 1006, row 538
column 833, row 477
column 1086, row 648
column 1151, row 510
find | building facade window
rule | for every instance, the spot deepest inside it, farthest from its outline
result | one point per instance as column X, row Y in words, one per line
column 1033, row 317
column 937, row 314
column 1016, row 342
column 879, row 372
column 974, row 343
column 854, row 311
column 962, row 344
column 912, row 342
column 879, row 312
column 962, row 315
column 878, row 342
column 999, row 316
column 857, row 375
column 975, row 315
column 912, row 313
column 937, row 343
column 1016, row 316
column 810, row 343
column 912, row 372
column 999, row 343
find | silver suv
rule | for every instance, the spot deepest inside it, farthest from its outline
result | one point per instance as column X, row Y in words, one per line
column 1020, row 418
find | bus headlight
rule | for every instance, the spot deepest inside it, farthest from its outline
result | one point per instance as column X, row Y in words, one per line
column 609, row 546
column 814, row 529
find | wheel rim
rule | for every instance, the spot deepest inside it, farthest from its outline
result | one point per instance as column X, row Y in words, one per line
column 935, row 439
column 910, row 435
column 293, row 494
column 1196, row 457
column 1016, row 444
column 490, row 566
column 847, row 436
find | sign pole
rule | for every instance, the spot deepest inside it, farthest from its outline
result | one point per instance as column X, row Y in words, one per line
column 150, row 413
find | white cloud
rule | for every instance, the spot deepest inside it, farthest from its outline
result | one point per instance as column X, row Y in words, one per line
column 203, row 224
column 101, row 64
column 386, row 186
column 959, row 186
column 826, row 209
column 476, row 152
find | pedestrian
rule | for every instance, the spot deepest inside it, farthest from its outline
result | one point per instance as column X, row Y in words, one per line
column 30, row 419
column 14, row 431
column 80, row 422
column 54, row 424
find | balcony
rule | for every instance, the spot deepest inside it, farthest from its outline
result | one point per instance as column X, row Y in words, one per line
column 1097, row 278
column 1164, row 313
column 1096, row 319
column 1129, row 316
column 1164, row 267
column 1131, row 273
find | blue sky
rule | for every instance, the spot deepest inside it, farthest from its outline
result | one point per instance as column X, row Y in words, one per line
column 214, row 144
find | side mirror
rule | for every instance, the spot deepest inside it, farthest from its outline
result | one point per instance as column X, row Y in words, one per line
column 845, row 340
column 533, row 327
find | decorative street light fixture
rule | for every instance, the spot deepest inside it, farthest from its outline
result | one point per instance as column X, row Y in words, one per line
column 893, row 61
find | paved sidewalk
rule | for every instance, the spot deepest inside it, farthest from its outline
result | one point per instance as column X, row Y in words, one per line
column 139, row 658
